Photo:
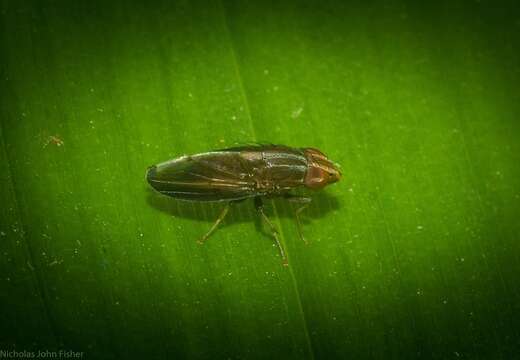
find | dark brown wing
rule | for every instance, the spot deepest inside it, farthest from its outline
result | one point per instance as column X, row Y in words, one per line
column 284, row 166
column 213, row 176
column 276, row 168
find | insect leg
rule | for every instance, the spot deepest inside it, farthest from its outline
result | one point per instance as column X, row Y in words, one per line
column 221, row 217
column 304, row 201
column 260, row 208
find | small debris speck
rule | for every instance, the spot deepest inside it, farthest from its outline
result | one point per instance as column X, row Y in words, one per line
column 53, row 140
column 419, row 227
column 296, row 113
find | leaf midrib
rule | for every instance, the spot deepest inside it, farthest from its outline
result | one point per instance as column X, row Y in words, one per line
column 249, row 118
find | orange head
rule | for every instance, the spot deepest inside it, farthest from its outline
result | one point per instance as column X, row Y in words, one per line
column 320, row 170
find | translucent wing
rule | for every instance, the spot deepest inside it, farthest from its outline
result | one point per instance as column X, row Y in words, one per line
column 212, row 176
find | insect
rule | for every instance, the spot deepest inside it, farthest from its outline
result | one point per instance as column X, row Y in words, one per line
column 238, row 173
column 54, row 140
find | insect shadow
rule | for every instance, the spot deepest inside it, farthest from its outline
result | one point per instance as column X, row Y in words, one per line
column 243, row 211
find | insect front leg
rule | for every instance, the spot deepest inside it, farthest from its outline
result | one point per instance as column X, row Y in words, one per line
column 221, row 217
column 260, row 208
column 304, row 202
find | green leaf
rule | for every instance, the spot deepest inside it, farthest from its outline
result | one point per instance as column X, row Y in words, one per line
column 415, row 253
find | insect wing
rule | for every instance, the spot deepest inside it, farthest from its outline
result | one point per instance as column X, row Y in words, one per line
column 214, row 176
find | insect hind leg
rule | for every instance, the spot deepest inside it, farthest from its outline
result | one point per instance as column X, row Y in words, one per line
column 259, row 205
column 221, row 217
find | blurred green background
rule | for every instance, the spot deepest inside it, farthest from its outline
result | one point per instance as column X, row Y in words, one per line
column 414, row 254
